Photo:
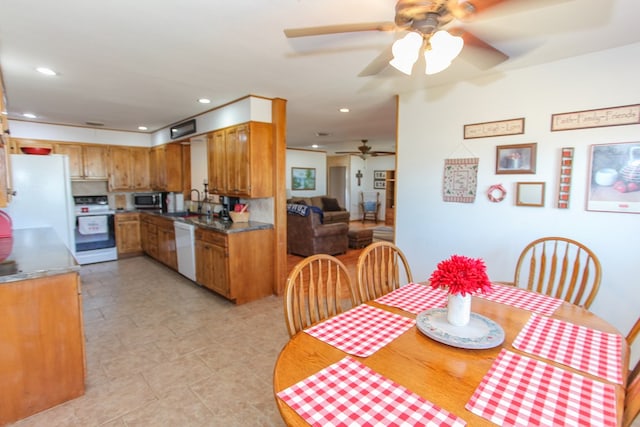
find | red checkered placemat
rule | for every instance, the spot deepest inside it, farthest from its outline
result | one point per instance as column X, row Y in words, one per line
column 361, row 331
column 415, row 298
column 595, row 352
column 349, row 393
column 520, row 391
column 521, row 298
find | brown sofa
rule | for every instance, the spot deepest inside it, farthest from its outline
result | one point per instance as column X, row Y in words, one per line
column 332, row 212
column 306, row 235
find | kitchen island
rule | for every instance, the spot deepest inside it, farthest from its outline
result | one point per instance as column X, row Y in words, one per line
column 42, row 360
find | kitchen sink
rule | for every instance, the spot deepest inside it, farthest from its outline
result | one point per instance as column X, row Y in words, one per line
column 184, row 214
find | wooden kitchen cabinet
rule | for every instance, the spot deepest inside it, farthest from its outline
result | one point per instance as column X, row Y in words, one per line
column 166, row 167
column 129, row 169
column 238, row 266
column 86, row 161
column 158, row 239
column 42, row 363
column 167, row 253
column 239, row 160
column 128, row 235
column 149, row 235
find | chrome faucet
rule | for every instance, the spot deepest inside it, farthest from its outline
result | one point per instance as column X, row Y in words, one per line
column 198, row 199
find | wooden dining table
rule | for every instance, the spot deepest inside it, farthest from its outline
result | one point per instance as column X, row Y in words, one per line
column 445, row 375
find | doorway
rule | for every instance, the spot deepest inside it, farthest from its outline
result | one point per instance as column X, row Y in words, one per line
column 338, row 184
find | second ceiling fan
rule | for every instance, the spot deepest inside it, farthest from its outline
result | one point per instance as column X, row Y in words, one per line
column 423, row 20
column 365, row 151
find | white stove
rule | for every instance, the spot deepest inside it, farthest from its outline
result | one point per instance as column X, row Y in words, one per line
column 94, row 230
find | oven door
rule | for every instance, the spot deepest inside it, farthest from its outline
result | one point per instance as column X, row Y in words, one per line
column 95, row 231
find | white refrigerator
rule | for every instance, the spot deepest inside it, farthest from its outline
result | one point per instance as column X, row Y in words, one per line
column 43, row 195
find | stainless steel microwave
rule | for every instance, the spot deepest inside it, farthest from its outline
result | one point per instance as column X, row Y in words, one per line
column 147, row 200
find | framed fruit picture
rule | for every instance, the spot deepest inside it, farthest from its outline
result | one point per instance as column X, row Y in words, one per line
column 614, row 178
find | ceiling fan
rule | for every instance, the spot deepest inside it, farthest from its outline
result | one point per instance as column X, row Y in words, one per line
column 423, row 20
column 365, row 151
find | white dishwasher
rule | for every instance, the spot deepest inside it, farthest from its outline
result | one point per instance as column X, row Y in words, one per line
column 185, row 248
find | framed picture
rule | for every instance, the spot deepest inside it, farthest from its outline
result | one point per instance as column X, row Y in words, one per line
column 379, row 175
column 517, row 158
column 380, row 185
column 614, row 178
column 530, row 194
column 303, row 178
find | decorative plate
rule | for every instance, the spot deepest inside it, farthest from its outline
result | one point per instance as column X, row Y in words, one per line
column 41, row 151
column 480, row 333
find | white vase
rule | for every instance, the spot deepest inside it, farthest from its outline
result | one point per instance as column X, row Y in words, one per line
column 459, row 309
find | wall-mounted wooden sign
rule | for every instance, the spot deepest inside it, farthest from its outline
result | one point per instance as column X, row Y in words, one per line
column 613, row 116
column 498, row 128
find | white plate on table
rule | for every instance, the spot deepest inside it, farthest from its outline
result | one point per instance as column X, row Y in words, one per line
column 480, row 333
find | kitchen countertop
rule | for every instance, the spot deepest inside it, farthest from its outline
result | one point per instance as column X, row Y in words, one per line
column 36, row 252
column 212, row 222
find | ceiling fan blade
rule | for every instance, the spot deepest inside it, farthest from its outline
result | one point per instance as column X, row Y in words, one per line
column 383, row 153
column 342, row 28
column 348, row 152
column 479, row 52
column 378, row 64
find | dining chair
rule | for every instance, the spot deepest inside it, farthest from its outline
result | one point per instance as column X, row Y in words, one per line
column 378, row 270
column 561, row 268
column 632, row 397
column 317, row 288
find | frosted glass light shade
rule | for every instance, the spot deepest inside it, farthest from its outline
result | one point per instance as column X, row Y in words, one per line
column 435, row 62
column 406, row 51
column 444, row 49
column 446, row 45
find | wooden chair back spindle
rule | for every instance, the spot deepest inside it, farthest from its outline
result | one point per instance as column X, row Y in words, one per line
column 560, row 267
column 315, row 290
column 378, row 270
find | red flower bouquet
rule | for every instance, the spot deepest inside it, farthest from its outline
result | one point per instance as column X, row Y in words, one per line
column 461, row 275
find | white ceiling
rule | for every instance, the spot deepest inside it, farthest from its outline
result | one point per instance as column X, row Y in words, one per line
column 127, row 63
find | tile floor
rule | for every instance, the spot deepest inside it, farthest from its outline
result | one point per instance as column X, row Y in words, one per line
column 161, row 351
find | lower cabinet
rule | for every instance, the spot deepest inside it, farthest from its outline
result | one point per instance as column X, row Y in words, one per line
column 159, row 239
column 238, row 266
column 42, row 361
column 128, row 234
column 167, row 253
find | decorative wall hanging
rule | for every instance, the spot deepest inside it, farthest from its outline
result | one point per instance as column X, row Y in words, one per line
column 380, row 185
column 564, row 186
column 303, row 178
column 612, row 116
column 498, row 128
column 496, row 193
column 517, row 158
column 614, row 178
column 460, row 180
column 359, row 177
column 530, row 194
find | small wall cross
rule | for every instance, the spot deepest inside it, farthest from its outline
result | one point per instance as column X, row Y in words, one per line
column 359, row 176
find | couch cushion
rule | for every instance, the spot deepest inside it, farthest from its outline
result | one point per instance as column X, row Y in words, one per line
column 330, row 204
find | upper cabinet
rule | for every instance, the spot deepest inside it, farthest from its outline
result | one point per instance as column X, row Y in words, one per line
column 129, row 168
column 239, row 160
column 166, row 167
column 86, row 161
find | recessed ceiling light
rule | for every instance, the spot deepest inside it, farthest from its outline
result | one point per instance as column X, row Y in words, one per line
column 315, row 146
column 46, row 71
column 29, row 115
column 204, row 101
column 344, row 110
column 322, row 134
column 142, row 128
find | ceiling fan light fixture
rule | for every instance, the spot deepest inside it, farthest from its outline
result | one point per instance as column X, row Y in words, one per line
column 406, row 51
column 444, row 49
